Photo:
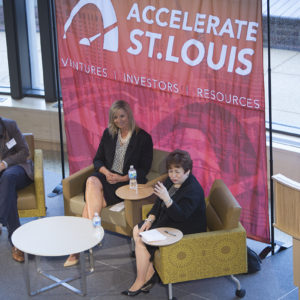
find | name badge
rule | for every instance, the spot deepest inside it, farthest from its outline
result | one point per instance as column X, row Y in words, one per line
column 11, row 143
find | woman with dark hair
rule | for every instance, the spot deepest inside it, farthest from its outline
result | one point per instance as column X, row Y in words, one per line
column 180, row 204
column 122, row 144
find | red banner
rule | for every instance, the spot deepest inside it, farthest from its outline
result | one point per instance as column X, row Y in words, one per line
column 192, row 72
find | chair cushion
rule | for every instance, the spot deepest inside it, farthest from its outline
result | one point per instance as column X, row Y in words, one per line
column 114, row 217
column 26, row 198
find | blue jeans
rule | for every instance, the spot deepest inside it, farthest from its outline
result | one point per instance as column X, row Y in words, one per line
column 11, row 179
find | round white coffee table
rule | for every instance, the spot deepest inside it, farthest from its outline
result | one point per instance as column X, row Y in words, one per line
column 58, row 236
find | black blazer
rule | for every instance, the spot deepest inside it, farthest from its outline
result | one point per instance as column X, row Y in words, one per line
column 188, row 211
column 139, row 153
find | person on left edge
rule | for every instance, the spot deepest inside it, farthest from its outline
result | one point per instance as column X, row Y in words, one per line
column 16, row 172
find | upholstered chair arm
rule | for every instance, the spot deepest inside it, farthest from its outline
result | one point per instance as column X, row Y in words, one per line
column 39, row 181
column 203, row 255
column 74, row 184
column 160, row 178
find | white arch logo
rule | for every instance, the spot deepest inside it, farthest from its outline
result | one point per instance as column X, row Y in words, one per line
column 110, row 41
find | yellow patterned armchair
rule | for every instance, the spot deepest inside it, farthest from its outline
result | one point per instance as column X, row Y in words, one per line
column 220, row 251
column 31, row 199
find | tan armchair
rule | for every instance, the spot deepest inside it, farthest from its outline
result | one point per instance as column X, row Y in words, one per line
column 31, row 200
column 123, row 221
column 220, row 251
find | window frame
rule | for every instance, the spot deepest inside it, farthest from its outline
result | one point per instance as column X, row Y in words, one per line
column 18, row 50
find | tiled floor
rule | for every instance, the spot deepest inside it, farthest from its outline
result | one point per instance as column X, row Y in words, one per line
column 115, row 269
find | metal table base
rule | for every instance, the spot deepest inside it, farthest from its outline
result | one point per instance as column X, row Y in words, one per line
column 63, row 282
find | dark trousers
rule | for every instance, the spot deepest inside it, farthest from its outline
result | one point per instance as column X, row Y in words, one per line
column 11, row 179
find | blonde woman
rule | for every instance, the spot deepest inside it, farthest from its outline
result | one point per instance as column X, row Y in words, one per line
column 122, row 144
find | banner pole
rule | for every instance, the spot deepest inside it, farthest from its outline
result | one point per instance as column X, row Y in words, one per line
column 270, row 129
column 270, row 248
column 58, row 189
column 57, row 93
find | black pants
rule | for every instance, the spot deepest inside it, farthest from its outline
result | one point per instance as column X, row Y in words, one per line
column 11, row 179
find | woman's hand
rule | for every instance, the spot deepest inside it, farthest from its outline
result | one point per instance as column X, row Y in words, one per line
column 108, row 175
column 146, row 226
column 113, row 178
column 161, row 192
column 148, row 223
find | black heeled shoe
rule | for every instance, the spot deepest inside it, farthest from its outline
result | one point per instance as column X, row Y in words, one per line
column 150, row 283
column 133, row 293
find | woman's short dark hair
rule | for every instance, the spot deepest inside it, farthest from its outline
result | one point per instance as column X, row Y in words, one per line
column 179, row 158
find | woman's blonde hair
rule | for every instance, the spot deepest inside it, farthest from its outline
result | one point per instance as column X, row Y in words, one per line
column 120, row 104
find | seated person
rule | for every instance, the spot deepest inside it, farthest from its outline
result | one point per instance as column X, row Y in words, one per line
column 122, row 144
column 179, row 204
column 16, row 172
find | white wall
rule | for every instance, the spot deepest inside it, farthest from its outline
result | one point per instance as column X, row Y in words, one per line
column 34, row 115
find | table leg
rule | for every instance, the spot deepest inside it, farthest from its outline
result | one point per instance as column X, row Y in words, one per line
column 82, row 273
column 58, row 281
column 91, row 259
column 37, row 263
column 27, row 279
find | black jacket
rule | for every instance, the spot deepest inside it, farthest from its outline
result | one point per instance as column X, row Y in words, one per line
column 18, row 154
column 188, row 211
column 139, row 153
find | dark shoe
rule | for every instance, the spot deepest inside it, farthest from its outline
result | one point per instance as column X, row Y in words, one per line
column 133, row 293
column 150, row 283
column 17, row 254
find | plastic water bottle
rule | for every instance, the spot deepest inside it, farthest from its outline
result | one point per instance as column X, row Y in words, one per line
column 97, row 225
column 132, row 178
column 97, row 221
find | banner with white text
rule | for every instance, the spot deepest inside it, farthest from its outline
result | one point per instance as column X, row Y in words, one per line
column 192, row 72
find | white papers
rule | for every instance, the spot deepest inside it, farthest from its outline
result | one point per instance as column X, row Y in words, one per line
column 152, row 235
column 117, row 207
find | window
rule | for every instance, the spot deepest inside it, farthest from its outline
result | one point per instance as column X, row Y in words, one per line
column 285, row 65
column 4, row 74
column 34, row 43
column 30, row 41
